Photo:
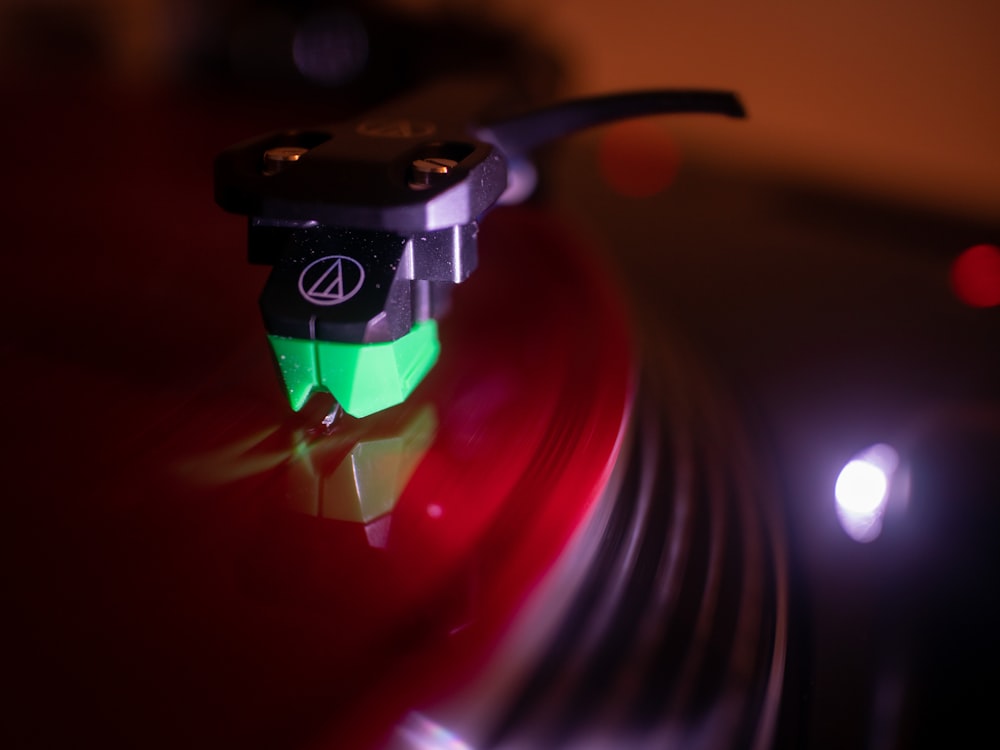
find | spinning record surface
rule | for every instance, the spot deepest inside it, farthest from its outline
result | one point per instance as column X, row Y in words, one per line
column 534, row 550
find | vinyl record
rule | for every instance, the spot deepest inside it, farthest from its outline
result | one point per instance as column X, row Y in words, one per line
column 664, row 620
column 559, row 540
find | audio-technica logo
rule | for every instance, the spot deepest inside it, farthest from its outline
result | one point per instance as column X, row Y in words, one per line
column 331, row 280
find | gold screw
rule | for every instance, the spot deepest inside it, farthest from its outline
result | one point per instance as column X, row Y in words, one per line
column 276, row 159
column 425, row 170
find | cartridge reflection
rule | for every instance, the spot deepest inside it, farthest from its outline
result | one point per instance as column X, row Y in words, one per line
column 359, row 470
column 348, row 469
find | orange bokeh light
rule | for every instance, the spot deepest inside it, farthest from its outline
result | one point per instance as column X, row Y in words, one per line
column 637, row 158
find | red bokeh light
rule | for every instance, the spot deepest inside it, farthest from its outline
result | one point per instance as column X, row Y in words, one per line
column 975, row 276
column 637, row 158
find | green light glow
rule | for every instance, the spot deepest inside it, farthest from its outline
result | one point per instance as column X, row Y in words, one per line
column 364, row 378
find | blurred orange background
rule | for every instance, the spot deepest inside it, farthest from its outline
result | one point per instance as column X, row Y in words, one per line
column 892, row 98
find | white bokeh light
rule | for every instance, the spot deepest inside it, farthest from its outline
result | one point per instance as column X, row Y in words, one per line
column 861, row 487
column 862, row 491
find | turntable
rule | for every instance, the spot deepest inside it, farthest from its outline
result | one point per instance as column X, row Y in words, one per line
column 713, row 468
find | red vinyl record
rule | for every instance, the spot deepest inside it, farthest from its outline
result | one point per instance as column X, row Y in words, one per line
column 546, row 543
column 198, row 586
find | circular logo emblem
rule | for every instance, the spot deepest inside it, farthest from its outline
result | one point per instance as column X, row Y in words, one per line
column 331, row 280
column 398, row 127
